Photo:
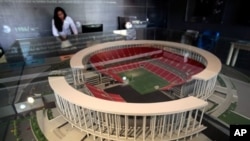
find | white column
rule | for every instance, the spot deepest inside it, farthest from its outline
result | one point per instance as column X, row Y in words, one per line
column 119, row 124
column 195, row 87
column 84, row 118
column 58, row 102
column 153, row 127
column 102, row 122
column 168, row 124
column 116, row 127
column 65, row 108
column 99, row 122
column 106, row 121
column 113, row 122
column 135, row 128
column 110, row 123
column 78, row 76
column 79, row 116
column 159, row 124
column 188, row 122
column 72, row 110
column 82, row 76
column 195, row 117
column 91, row 119
column 69, row 110
column 180, row 125
column 235, row 57
column 74, row 75
column 143, row 128
column 194, row 122
column 126, row 126
column 163, row 126
column 61, row 105
column 230, row 54
column 172, row 126
column 201, row 116
column 203, row 89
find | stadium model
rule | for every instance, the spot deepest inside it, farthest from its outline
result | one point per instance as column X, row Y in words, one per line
column 184, row 73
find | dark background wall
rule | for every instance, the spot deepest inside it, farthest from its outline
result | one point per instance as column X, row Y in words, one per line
column 234, row 23
column 32, row 18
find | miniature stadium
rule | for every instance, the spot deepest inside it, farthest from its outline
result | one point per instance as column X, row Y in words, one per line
column 121, row 90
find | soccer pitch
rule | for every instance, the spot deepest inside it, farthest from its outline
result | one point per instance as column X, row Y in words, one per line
column 143, row 81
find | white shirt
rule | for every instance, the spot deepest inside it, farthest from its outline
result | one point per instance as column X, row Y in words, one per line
column 67, row 24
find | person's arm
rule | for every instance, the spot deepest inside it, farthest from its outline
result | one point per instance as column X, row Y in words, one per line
column 54, row 30
column 73, row 26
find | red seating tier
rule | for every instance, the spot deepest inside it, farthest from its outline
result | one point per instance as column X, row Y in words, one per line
column 116, row 97
column 99, row 93
column 120, row 53
column 190, row 67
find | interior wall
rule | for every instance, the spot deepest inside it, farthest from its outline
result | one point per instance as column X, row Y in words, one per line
column 230, row 28
column 229, row 25
column 21, row 19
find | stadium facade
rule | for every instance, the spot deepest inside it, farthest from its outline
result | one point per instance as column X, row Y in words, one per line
column 190, row 71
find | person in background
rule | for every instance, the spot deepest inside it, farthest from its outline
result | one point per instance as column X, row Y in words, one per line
column 2, row 56
column 1, row 51
column 62, row 25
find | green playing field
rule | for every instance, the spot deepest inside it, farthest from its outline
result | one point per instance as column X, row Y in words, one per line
column 143, row 81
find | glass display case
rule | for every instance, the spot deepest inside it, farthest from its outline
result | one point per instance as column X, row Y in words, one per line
column 36, row 48
column 31, row 61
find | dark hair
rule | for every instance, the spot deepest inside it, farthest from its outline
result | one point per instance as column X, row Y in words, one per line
column 58, row 22
column 2, row 51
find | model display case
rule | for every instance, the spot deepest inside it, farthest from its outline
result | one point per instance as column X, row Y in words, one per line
column 36, row 48
column 31, row 61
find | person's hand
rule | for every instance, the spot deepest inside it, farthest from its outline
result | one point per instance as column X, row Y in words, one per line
column 63, row 37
